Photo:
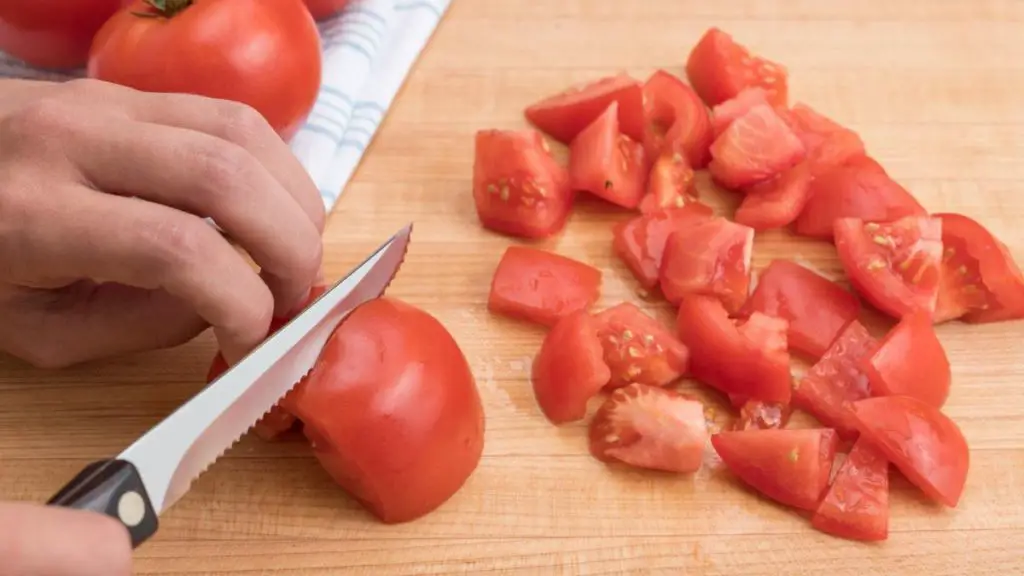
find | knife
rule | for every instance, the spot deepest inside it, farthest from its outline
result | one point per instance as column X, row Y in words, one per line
column 158, row 469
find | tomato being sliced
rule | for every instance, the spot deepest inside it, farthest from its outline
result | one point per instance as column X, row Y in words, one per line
column 725, row 113
column 675, row 117
column 789, row 466
column 910, row 361
column 569, row 369
column 640, row 241
column 564, row 115
column 757, row 415
column 816, row 308
column 541, row 286
column 754, row 148
column 922, row 442
column 710, row 258
column 518, row 187
column 719, row 69
column 670, row 185
column 650, row 427
column 895, row 266
column 856, row 506
column 608, row 164
column 637, row 348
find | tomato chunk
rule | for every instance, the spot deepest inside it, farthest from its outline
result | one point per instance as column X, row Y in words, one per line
column 542, row 287
column 670, row 185
column 727, row 112
column 710, row 258
column 650, row 427
column 757, row 415
column 922, row 442
column 910, row 361
column 719, row 69
column 676, row 118
column 637, row 348
column 857, row 504
column 789, row 466
column 564, row 115
column 518, row 187
column 895, row 266
column 755, row 147
column 816, row 308
column 606, row 163
column 828, row 143
column 569, row 369
column 640, row 242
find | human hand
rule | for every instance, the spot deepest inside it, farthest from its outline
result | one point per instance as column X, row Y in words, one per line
column 103, row 246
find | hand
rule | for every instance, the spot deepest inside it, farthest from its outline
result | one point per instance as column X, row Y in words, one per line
column 38, row 540
column 103, row 245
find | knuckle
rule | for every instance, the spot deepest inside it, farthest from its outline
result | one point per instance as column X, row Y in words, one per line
column 178, row 241
column 224, row 167
column 242, row 124
column 38, row 121
column 85, row 86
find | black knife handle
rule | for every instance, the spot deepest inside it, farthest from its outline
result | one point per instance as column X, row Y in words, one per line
column 114, row 488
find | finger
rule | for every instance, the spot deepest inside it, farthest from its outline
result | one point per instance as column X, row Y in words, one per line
column 37, row 540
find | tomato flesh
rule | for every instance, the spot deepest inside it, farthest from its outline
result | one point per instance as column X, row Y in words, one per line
column 637, row 348
column 720, row 69
column 607, row 163
column 757, row 415
column 910, row 361
column 564, row 115
column 710, row 258
column 670, row 185
column 828, row 143
column 640, row 242
column 856, row 506
column 569, row 369
column 727, row 112
column 675, row 118
column 541, row 286
column 754, row 148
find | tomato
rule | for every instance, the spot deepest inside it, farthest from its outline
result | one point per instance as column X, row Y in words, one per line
column 816, row 308
column 650, row 427
column 542, row 287
column 640, row 241
column 727, row 112
column 755, row 147
column 749, row 360
column 606, row 163
column 564, row 115
column 52, row 34
column 569, row 369
column 757, row 415
column 671, row 185
column 321, row 9
column 518, row 187
column 719, row 69
column 910, row 361
column 206, row 47
column 922, row 442
column 895, row 266
column 857, row 504
column 637, row 348
column 710, row 258
column 791, row 467
column 858, row 188
column 675, row 118
column 392, row 411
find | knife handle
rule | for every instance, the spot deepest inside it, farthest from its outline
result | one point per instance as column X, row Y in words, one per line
column 113, row 488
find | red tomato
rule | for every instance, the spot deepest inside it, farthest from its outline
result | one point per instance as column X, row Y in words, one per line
column 640, row 242
column 828, row 143
column 208, row 48
column 910, row 361
column 542, row 287
column 518, row 187
column 671, row 185
column 837, row 380
column 650, row 427
column 719, row 69
column 757, row 415
column 857, row 504
column 569, row 369
column 922, row 442
column 754, row 148
column 675, row 118
column 710, row 258
column 53, row 34
column 392, row 410
column 606, row 163
column 791, row 467
column 727, row 112
column 816, row 308
column 321, row 9
column 895, row 266
column 637, row 348
column 749, row 360
column 564, row 115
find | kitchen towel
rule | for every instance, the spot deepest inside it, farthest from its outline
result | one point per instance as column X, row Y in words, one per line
column 368, row 51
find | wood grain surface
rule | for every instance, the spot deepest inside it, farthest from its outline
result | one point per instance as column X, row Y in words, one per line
column 933, row 86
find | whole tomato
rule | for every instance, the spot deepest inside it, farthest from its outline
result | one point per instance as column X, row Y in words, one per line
column 52, row 34
column 321, row 9
column 264, row 53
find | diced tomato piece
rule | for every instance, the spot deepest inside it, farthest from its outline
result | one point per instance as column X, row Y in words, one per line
column 910, row 361
column 856, row 506
column 789, row 466
column 670, row 185
column 640, row 242
column 606, row 163
column 749, row 360
column 564, row 115
column 569, row 369
column 895, row 265
column 725, row 113
column 542, row 287
column 921, row 441
column 650, row 427
column 710, row 258
column 828, row 143
column 638, row 348
column 518, row 187
column 675, row 117
column 754, row 148
column 719, row 69
column 757, row 415
column 816, row 308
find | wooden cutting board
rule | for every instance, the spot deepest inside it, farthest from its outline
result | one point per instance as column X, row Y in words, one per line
column 933, row 86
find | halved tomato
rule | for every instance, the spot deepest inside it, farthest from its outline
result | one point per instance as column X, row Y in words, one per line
column 857, row 504
column 569, row 369
column 675, row 117
column 910, row 361
column 754, row 148
column 757, row 415
column 710, row 258
column 895, row 265
column 719, row 69
column 640, row 242
column 564, row 115
column 541, row 286
column 725, row 113
column 606, row 163
column 638, row 348
column 670, row 185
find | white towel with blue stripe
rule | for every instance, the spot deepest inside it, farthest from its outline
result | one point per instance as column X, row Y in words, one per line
column 368, row 51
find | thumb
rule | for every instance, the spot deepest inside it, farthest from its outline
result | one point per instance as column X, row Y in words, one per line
column 38, row 540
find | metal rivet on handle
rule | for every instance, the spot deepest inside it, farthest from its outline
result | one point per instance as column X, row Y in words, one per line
column 131, row 508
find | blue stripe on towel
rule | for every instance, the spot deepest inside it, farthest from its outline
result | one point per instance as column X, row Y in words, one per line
column 409, row 6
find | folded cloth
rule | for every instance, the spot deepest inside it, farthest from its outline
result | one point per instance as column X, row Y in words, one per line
column 368, row 51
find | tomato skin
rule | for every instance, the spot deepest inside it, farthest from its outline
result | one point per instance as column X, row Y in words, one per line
column 569, row 369
column 675, row 119
column 321, row 9
column 207, row 49
column 710, row 258
column 52, row 34
column 640, row 242
column 607, row 163
column 719, row 69
column 563, row 115
column 637, row 348
column 754, row 148
column 910, row 361
column 856, row 506
column 540, row 286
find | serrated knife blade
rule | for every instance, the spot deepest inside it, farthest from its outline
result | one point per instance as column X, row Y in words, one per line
column 154, row 472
